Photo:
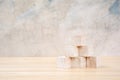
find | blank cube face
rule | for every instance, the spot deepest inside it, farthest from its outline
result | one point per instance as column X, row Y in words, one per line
column 75, row 62
column 64, row 62
column 91, row 62
column 82, row 50
column 83, row 62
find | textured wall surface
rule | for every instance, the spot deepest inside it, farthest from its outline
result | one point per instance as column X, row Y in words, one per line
column 42, row 27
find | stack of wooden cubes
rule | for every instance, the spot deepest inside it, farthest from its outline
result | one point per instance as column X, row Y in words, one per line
column 80, row 60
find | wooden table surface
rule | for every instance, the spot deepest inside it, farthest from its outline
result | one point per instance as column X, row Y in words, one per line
column 44, row 68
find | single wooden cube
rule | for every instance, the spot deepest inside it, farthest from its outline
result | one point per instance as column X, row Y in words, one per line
column 91, row 62
column 82, row 50
column 75, row 62
column 64, row 62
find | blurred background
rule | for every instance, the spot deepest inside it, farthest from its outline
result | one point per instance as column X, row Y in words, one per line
column 43, row 27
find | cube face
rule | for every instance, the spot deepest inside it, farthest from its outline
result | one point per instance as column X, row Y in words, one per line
column 91, row 62
column 75, row 62
column 82, row 51
column 64, row 62
column 83, row 62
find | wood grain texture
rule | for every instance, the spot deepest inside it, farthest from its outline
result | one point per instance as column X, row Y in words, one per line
column 44, row 68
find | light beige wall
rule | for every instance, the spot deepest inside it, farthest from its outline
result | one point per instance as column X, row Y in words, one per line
column 41, row 27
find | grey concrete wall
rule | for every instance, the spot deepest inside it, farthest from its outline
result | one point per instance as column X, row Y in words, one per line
column 41, row 27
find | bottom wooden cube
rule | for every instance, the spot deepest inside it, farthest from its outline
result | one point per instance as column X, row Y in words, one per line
column 78, row 62
column 75, row 62
column 64, row 62
column 91, row 62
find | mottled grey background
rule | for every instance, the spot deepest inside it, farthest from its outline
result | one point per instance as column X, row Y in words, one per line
column 39, row 27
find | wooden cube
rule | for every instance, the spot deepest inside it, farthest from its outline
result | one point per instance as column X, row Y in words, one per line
column 64, row 62
column 75, row 62
column 91, row 62
column 82, row 50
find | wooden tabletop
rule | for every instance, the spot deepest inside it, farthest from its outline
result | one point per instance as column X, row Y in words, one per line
column 44, row 68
